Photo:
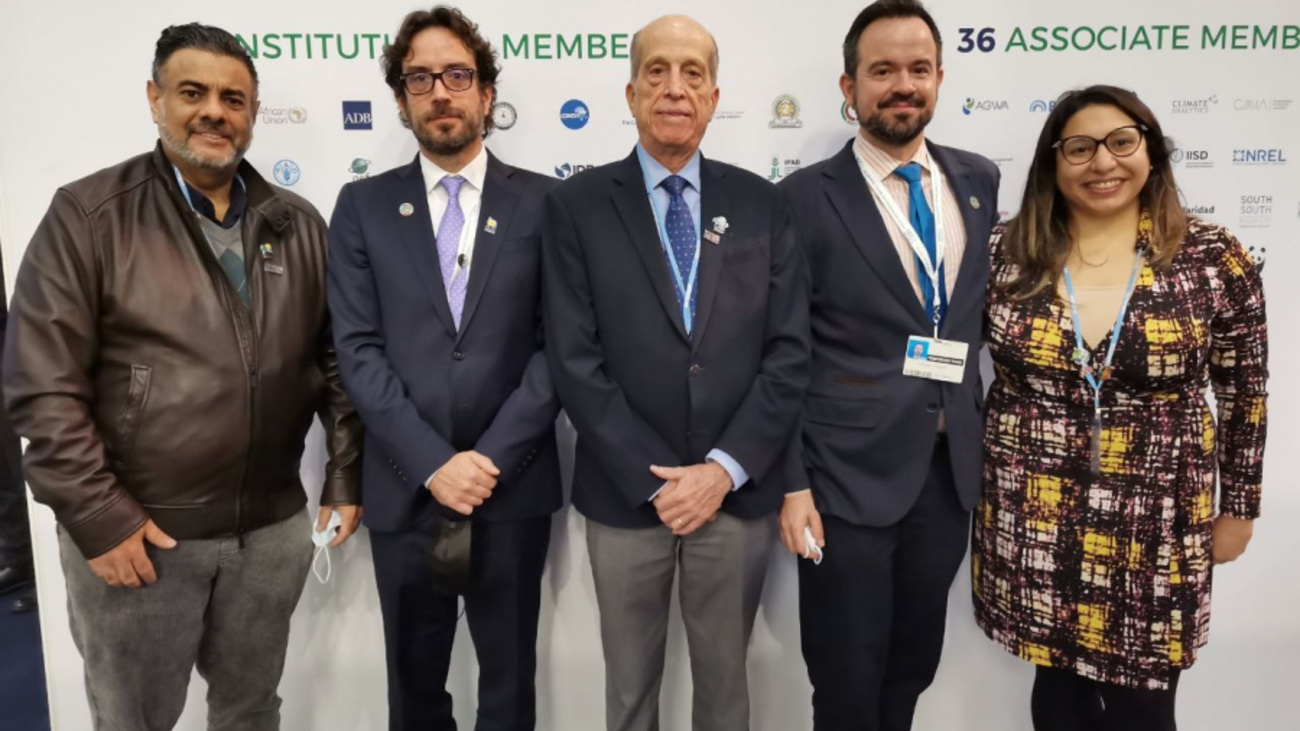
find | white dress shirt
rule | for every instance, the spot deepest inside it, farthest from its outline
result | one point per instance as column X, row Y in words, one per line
column 470, row 199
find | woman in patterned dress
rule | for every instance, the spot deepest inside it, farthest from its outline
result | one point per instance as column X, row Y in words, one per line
column 1109, row 312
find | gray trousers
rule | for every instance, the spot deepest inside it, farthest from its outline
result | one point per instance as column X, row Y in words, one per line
column 722, row 569
column 216, row 605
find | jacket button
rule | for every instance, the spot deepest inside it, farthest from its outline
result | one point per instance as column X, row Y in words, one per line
column 458, row 355
column 931, row 408
column 696, row 369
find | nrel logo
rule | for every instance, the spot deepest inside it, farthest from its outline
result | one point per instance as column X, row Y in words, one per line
column 567, row 170
column 1261, row 156
column 574, row 114
column 356, row 115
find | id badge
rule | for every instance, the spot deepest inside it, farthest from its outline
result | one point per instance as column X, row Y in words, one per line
column 938, row 360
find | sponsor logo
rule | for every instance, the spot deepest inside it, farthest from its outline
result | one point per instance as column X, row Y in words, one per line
column 568, row 170
column 1042, row 105
column 504, row 115
column 1194, row 106
column 574, row 114
column 1261, row 105
column 286, row 173
column 725, row 115
column 972, row 105
column 785, row 113
column 281, row 115
column 1199, row 211
column 356, row 115
column 556, row 46
column 360, row 168
column 1255, row 211
column 848, row 113
column 782, row 168
column 1260, row 156
column 1192, row 159
column 1002, row 161
column 1257, row 255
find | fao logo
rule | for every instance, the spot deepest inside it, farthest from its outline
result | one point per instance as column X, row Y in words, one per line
column 574, row 114
column 286, row 173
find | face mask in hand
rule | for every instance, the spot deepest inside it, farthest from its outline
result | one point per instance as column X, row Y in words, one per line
column 322, row 539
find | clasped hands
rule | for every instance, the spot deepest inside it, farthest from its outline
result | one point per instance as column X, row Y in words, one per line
column 691, row 496
column 465, row 482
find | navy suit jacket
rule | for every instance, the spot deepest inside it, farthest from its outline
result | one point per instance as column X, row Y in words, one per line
column 426, row 391
column 638, row 388
column 868, row 430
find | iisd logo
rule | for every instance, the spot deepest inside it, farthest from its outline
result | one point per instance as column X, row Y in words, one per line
column 574, row 114
column 568, row 170
column 1191, row 158
column 286, row 172
column 984, row 105
column 356, row 115
column 1261, row 156
column 1041, row 105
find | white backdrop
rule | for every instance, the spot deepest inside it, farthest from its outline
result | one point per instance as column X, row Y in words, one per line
column 1221, row 77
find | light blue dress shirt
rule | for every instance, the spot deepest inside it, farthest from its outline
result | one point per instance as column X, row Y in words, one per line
column 655, row 174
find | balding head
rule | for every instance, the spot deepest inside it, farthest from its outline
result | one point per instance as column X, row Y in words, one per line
column 674, row 87
column 675, row 26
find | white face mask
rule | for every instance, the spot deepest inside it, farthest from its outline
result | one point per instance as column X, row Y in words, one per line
column 322, row 540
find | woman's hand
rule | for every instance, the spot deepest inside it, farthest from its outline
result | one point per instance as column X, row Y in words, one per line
column 1230, row 537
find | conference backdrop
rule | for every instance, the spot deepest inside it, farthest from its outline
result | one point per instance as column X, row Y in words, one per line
column 1222, row 78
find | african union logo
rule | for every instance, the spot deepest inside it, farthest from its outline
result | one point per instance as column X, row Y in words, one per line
column 360, row 168
column 785, row 113
column 574, row 114
column 848, row 113
column 504, row 115
column 286, row 172
column 281, row 115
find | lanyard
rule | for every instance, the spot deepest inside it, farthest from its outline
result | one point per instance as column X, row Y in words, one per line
column 1082, row 358
column 684, row 288
column 904, row 224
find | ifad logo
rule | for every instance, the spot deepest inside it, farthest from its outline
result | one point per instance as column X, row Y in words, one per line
column 568, row 170
column 574, row 114
column 984, row 105
column 286, row 173
column 356, row 115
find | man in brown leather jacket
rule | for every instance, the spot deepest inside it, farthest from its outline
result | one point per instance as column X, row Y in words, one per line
column 168, row 346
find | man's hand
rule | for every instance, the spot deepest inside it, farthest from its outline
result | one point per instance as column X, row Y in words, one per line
column 798, row 511
column 691, row 496
column 1229, row 539
column 349, row 514
column 465, row 482
column 127, row 564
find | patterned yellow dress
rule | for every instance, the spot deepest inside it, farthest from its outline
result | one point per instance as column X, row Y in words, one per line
column 1108, row 576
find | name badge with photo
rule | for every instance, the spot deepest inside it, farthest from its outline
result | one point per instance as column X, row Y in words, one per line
column 938, row 360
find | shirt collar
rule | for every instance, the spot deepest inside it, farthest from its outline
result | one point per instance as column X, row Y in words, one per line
column 200, row 204
column 655, row 173
column 474, row 173
column 882, row 163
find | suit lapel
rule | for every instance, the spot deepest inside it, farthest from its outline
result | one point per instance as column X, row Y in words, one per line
column 958, row 176
column 713, row 203
column 500, row 193
column 633, row 206
column 416, row 234
column 853, row 201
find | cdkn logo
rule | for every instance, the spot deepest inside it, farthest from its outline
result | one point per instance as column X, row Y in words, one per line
column 286, row 173
column 356, row 115
column 568, row 170
column 984, row 105
column 574, row 114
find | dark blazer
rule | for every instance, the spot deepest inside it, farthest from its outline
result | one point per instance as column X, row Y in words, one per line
column 424, row 390
column 639, row 390
column 868, row 430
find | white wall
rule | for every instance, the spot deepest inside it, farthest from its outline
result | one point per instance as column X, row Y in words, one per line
column 72, row 79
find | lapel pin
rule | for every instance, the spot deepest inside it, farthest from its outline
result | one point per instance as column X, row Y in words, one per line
column 712, row 237
column 267, row 250
column 406, row 209
column 491, row 226
column 975, row 203
column 273, row 268
column 720, row 225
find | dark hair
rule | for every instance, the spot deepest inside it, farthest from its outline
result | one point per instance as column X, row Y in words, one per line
column 1037, row 240
column 203, row 38
column 882, row 10
column 442, row 16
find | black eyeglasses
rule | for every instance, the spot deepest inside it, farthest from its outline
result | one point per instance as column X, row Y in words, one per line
column 421, row 82
column 1122, row 142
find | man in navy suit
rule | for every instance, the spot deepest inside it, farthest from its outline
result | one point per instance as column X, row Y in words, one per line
column 676, row 321
column 434, row 285
column 896, row 231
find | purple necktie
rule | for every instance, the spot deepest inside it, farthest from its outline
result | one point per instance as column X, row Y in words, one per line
column 453, row 221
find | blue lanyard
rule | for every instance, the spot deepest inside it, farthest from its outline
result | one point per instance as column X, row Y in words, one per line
column 1082, row 358
column 685, row 287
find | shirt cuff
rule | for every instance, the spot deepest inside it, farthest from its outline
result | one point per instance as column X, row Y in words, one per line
column 738, row 474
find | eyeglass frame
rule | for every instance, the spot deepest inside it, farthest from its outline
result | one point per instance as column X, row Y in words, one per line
column 1097, row 144
column 437, row 75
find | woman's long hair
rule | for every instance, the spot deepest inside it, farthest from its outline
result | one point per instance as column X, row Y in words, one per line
column 1037, row 239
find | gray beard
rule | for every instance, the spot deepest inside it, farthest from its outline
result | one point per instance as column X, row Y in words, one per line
column 180, row 150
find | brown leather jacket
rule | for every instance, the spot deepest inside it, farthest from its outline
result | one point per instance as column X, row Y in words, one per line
column 146, row 389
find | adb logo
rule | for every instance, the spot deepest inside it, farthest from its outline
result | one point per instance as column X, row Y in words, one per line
column 286, row 172
column 356, row 115
column 568, row 170
column 574, row 114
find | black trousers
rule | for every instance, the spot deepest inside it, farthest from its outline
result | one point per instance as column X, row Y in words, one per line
column 872, row 614
column 1065, row 701
column 15, row 533
column 507, row 559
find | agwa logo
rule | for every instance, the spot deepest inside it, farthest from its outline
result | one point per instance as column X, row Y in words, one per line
column 984, row 105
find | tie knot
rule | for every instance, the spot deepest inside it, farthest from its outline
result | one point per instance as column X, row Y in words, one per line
column 452, row 183
column 911, row 172
column 674, row 184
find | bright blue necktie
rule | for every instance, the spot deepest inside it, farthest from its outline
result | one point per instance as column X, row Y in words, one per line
column 682, row 239
column 923, row 222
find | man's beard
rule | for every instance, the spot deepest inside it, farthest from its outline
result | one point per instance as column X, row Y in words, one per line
column 181, row 150
column 447, row 143
column 899, row 132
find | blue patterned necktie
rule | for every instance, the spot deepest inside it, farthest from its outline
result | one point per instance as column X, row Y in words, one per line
column 453, row 222
column 923, row 222
column 682, row 239
column 233, row 264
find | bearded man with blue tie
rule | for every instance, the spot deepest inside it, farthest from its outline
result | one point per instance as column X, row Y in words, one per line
column 677, row 334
